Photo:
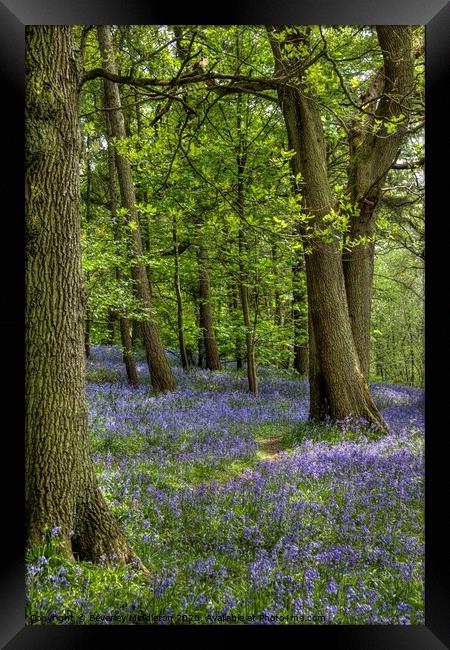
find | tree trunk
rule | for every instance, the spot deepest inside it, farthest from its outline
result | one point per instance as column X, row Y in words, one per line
column 278, row 317
column 206, row 322
column 127, row 352
column 136, row 336
column 160, row 372
column 243, row 288
column 176, row 279
column 87, row 332
column 372, row 154
column 60, row 483
column 238, row 341
column 249, row 332
column 110, row 328
column 300, row 314
column 124, row 325
column 338, row 387
column 87, row 336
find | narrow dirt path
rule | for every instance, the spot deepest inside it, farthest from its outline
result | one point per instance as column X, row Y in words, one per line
column 270, row 447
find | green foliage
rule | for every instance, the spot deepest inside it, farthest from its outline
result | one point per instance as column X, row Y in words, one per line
column 185, row 167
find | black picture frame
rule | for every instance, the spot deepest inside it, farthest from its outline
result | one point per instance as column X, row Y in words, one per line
column 14, row 15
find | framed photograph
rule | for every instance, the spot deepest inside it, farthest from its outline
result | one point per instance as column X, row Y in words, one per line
column 232, row 399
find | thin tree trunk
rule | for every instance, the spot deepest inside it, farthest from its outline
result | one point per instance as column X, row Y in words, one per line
column 243, row 288
column 249, row 332
column 111, row 329
column 87, row 335
column 176, row 279
column 238, row 343
column 160, row 372
column 278, row 318
column 142, row 195
column 206, row 321
column 300, row 314
column 127, row 352
column 60, row 484
column 124, row 325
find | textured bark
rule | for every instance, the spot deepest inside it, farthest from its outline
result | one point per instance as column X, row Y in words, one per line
column 243, row 288
column 160, row 373
column 234, row 309
column 338, row 387
column 278, row 316
column 87, row 336
column 249, row 332
column 110, row 328
column 124, row 324
column 176, row 280
column 371, row 157
column 300, row 315
column 60, row 483
column 212, row 360
column 127, row 352
column 136, row 336
column 87, row 202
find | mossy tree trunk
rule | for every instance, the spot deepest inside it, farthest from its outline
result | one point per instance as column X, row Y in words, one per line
column 60, row 484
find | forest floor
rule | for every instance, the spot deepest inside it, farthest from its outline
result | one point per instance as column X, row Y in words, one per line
column 243, row 511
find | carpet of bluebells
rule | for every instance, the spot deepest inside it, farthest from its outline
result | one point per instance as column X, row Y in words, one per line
column 328, row 530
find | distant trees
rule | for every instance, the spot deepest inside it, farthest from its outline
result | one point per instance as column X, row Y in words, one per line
column 323, row 132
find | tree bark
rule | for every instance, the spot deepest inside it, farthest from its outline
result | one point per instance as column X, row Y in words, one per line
column 136, row 336
column 238, row 339
column 124, row 324
column 160, row 372
column 212, row 360
column 278, row 316
column 249, row 332
column 87, row 332
column 338, row 387
column 300, row 314
column 372, row 154
column 176, row 279
column 243, row 288
column 87, row 335
column 60, row 483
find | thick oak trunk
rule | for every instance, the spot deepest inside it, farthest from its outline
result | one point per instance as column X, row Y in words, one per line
column 60, row 483
column 338, row 387
column 160, row 372
column 372, row 154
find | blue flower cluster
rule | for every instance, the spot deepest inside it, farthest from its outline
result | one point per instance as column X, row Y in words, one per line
column 327, row 527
